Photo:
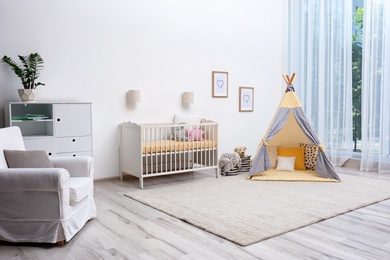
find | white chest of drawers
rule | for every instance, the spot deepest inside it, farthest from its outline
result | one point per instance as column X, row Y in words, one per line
column 61, row 129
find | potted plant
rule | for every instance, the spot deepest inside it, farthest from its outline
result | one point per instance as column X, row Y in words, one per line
column 28, row 73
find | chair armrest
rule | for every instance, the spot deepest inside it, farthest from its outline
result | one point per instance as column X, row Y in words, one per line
column 33, row 179
column 80, row 166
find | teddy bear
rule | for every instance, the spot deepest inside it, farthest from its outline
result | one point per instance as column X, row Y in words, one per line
column 241, row 150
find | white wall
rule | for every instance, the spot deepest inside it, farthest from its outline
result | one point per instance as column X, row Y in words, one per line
column 96, row 50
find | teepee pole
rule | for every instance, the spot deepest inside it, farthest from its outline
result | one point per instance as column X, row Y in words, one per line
column 285, row 79
column 289, row 81
column 292, row 78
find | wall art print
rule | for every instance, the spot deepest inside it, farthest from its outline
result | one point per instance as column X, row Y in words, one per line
column 220, row 84
column 246, row 96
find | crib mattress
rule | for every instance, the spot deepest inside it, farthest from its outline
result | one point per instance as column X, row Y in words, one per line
column 176, row 146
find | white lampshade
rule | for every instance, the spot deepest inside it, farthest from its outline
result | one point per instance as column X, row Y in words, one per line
column 188, row 97
column 134, row 96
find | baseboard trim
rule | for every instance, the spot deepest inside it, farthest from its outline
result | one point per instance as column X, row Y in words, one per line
column 106, row 179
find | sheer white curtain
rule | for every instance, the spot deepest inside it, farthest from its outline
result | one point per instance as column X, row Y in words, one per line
column 320, row 42
column 376, row 87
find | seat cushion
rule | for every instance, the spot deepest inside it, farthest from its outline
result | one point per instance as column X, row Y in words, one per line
column 80, row 187
column 27, row 159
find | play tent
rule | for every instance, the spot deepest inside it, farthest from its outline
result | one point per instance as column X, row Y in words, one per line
column 291, row 128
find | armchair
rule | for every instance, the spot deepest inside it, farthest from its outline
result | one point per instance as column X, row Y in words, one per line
column 44, row 205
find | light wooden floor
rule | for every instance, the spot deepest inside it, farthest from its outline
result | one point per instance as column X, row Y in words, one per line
column 126, row 229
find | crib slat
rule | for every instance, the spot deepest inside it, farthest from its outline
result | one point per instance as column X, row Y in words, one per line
column 147, row 149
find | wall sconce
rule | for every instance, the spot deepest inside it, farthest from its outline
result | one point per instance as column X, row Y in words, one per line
column 188, row 97
column 134, row 96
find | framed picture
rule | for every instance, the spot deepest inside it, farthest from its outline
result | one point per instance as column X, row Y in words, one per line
column 220, row 84
column 246, row 97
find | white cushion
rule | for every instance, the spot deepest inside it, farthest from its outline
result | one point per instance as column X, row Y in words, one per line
column 285, row 163
column 79, row 188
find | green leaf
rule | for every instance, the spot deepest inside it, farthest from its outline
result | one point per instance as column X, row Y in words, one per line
column 29, row 72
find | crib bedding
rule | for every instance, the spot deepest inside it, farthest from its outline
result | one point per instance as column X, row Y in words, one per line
column 176, row 146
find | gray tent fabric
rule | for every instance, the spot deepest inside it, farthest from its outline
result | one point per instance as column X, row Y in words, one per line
column 323, row 167
column 305, row 126
column 261, row 162
column 279, row 121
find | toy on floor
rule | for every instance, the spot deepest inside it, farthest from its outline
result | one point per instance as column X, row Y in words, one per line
column 241, row 150
column 245, row 159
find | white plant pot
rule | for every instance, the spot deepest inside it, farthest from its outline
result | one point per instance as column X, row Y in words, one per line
column 28, row 95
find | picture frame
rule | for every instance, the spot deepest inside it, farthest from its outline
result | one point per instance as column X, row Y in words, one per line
column 246, row 99
column 220, row 80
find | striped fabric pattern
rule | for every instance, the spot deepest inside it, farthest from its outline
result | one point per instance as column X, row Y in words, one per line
column 323, row 167
column 290, row 100
column 297, row 175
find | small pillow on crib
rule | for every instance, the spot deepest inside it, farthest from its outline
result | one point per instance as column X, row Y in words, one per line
column 195, row 134
column 178, row 133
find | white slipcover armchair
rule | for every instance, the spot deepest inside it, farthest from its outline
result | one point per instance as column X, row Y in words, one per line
column 45, row 205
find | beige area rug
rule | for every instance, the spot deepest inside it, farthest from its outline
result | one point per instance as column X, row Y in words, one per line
column 246, row 212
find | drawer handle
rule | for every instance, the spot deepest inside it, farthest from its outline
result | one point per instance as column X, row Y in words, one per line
column 49, row 154
column 73, row 140
column 74, row 155
column 58, row 119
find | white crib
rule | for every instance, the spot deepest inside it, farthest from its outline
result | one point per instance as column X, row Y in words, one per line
column 148, row 150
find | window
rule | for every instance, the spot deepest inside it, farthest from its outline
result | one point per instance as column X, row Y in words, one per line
column 357, row 57
column 337, row 49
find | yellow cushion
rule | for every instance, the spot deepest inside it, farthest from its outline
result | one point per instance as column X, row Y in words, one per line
column 298, row 152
